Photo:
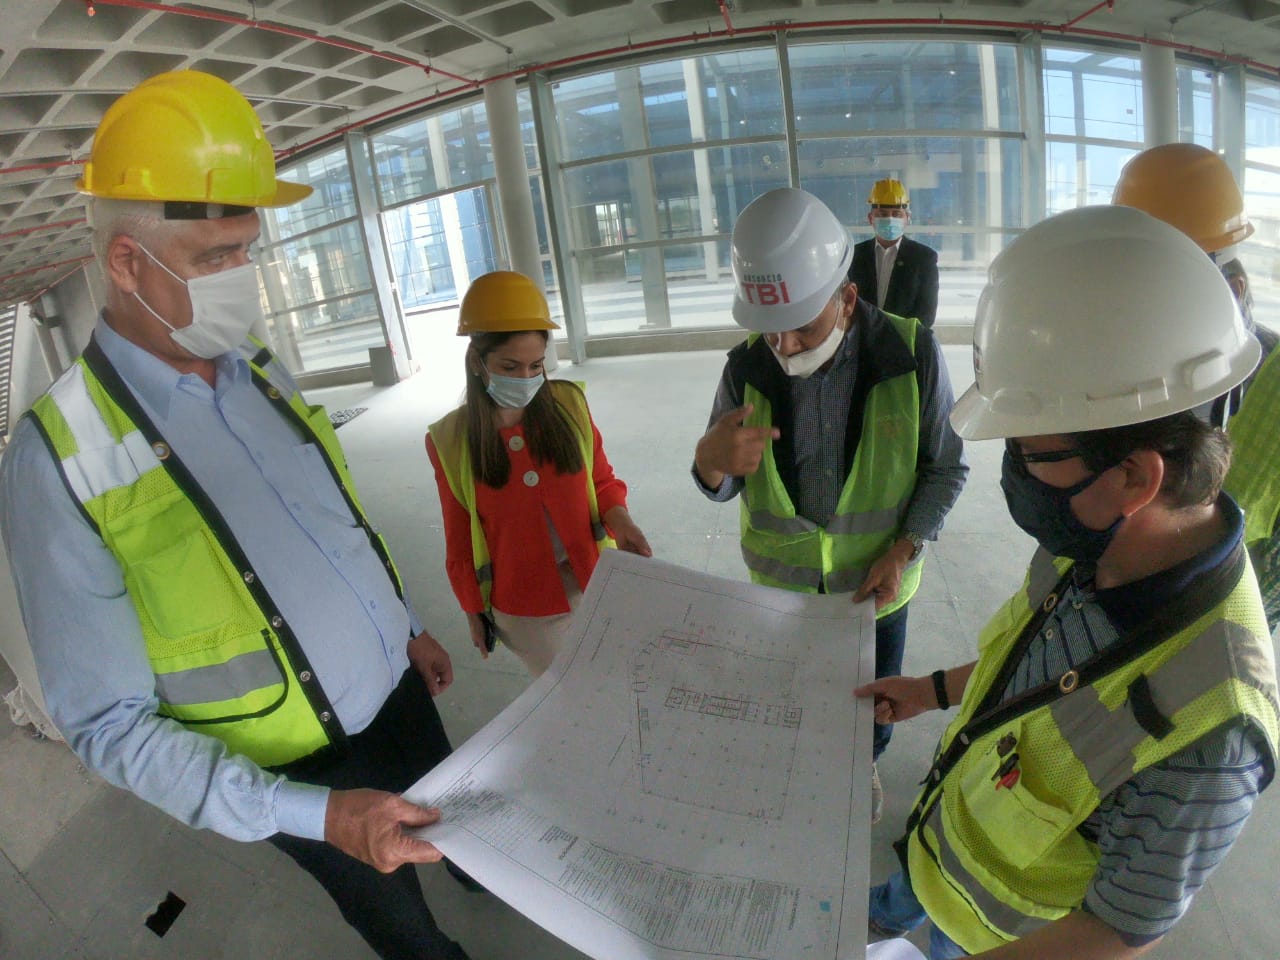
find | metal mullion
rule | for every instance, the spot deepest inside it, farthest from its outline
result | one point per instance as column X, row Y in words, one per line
column 320, row 303
column 680, row 148
column 936, row 132
column 313, row 231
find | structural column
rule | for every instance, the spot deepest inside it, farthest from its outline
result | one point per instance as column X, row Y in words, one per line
column 515, row 198
column 1159, row 95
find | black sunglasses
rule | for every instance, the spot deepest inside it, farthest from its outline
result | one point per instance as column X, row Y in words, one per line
column 1049, row 456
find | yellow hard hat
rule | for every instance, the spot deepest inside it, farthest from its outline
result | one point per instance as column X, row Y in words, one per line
column 888, row 193
column 503, row 302
column 1189, row 187
column 185, row 137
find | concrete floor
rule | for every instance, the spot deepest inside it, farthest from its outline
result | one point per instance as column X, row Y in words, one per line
column 84, row 864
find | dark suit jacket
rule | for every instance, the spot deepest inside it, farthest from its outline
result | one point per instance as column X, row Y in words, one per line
column 913, row 284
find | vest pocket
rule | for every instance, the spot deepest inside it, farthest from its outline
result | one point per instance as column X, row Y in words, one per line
column 179, row 579
column 1019, row 826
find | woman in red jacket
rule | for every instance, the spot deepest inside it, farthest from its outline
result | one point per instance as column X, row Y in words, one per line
column 528, row 496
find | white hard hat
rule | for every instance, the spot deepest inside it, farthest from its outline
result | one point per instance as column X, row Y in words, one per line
column 790, row 253
column 1100, row 317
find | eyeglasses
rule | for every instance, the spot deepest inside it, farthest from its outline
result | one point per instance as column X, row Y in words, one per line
column 1049, row 456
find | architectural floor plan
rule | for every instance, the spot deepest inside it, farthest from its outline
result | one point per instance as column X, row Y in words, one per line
column 690, row 779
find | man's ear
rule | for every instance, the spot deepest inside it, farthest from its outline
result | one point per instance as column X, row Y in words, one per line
column 1143, row 478
column 850, row 299
column 124, row 260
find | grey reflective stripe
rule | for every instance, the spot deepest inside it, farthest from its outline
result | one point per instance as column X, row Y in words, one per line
column 1043, row 576
column 1006, row 919
column 1104, row 740
column 766, row 522
column 237, row 677
column 846, row 581
column 783, row 572
column 868, row 521
column 100, row 463
column 484, row 573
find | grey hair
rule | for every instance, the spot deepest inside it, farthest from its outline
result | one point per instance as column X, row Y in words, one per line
column 141, row 219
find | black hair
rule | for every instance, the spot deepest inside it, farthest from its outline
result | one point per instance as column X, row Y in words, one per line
column 1196, row 455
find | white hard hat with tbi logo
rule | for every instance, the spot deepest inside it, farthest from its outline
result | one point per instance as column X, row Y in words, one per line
column 790, row 253
column 1100, row 317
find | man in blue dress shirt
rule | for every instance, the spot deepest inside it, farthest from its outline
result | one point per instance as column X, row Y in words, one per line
column 215, row 624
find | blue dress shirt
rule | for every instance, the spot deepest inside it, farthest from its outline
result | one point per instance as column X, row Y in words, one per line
column 290, row 519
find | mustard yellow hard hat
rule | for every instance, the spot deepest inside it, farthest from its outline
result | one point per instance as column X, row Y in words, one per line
column 503, row 302
column 888, row 193
column 1189, row 187
column 185, row 137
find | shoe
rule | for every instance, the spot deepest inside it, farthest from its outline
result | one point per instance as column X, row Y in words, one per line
column 877, row 796
column 876, row 933
column 463, row 878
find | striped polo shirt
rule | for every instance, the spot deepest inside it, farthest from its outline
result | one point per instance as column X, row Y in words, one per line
column 1162, row 832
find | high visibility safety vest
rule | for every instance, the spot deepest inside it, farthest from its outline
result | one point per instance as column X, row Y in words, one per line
column 1254, row 477
column 449, row 434
column 992, row 863
column 226, row 661
column 784, row 549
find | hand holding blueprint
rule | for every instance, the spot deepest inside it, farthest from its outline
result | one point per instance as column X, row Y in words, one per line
column 690, row 778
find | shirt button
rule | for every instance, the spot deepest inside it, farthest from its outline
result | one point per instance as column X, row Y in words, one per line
column 516, row 443
column 531, row 478
column 1048, row 633
column 305, row 676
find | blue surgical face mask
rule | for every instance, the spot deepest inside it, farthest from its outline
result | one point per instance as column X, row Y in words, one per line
column 514, row 393
column 1044, row 512
column 889, row 229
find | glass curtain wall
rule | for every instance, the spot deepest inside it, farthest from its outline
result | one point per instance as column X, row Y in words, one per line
column 1197, row 104
column 1093, row 123
column 1261, row 253
column 943, row 118
column 321, row 312
column 658, row 160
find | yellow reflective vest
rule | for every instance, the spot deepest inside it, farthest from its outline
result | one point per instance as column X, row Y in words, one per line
column 449, row 434
column 990, row 864
column 226, row 662
column 782, row 548
column 1254, row 477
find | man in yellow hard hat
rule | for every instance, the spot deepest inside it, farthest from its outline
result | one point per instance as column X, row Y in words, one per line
column 897, row 274
column 1193, row 189
column 215, row 624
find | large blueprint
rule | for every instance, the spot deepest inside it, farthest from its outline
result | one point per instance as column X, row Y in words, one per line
column 691, row 778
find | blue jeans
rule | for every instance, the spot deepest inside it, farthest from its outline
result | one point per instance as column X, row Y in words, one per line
column 895, row 909
column 891, row 641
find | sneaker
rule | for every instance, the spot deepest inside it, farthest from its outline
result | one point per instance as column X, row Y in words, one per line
column 876, row 933
column 877, row 796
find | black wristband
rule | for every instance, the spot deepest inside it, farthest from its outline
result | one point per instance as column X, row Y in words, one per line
column 940, row 689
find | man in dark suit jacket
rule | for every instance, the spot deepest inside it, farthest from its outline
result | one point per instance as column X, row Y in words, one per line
column 910, row 268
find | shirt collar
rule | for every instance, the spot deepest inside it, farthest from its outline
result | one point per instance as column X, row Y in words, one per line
column 890, row 249
column 153, row 380
column 1132, row 604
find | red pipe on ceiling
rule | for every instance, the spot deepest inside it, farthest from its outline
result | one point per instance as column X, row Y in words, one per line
column 1109, row 4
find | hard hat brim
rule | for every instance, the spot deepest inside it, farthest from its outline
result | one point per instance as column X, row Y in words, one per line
column 288, row 192
column 976, row 416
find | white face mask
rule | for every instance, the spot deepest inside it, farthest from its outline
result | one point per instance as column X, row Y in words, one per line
column 514, row 393
column 808, row 362
column 224, row 308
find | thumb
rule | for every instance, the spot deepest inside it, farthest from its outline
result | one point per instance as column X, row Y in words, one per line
column 866, row 690
column 412, row 815
column 739, row 416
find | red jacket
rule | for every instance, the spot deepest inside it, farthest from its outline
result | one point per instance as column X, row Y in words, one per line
column 514, row 518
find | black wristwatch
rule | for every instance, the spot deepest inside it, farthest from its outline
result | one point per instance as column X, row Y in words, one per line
column 940, row 689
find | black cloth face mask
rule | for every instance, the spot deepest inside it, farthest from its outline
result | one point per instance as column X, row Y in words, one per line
column 1044, row 512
